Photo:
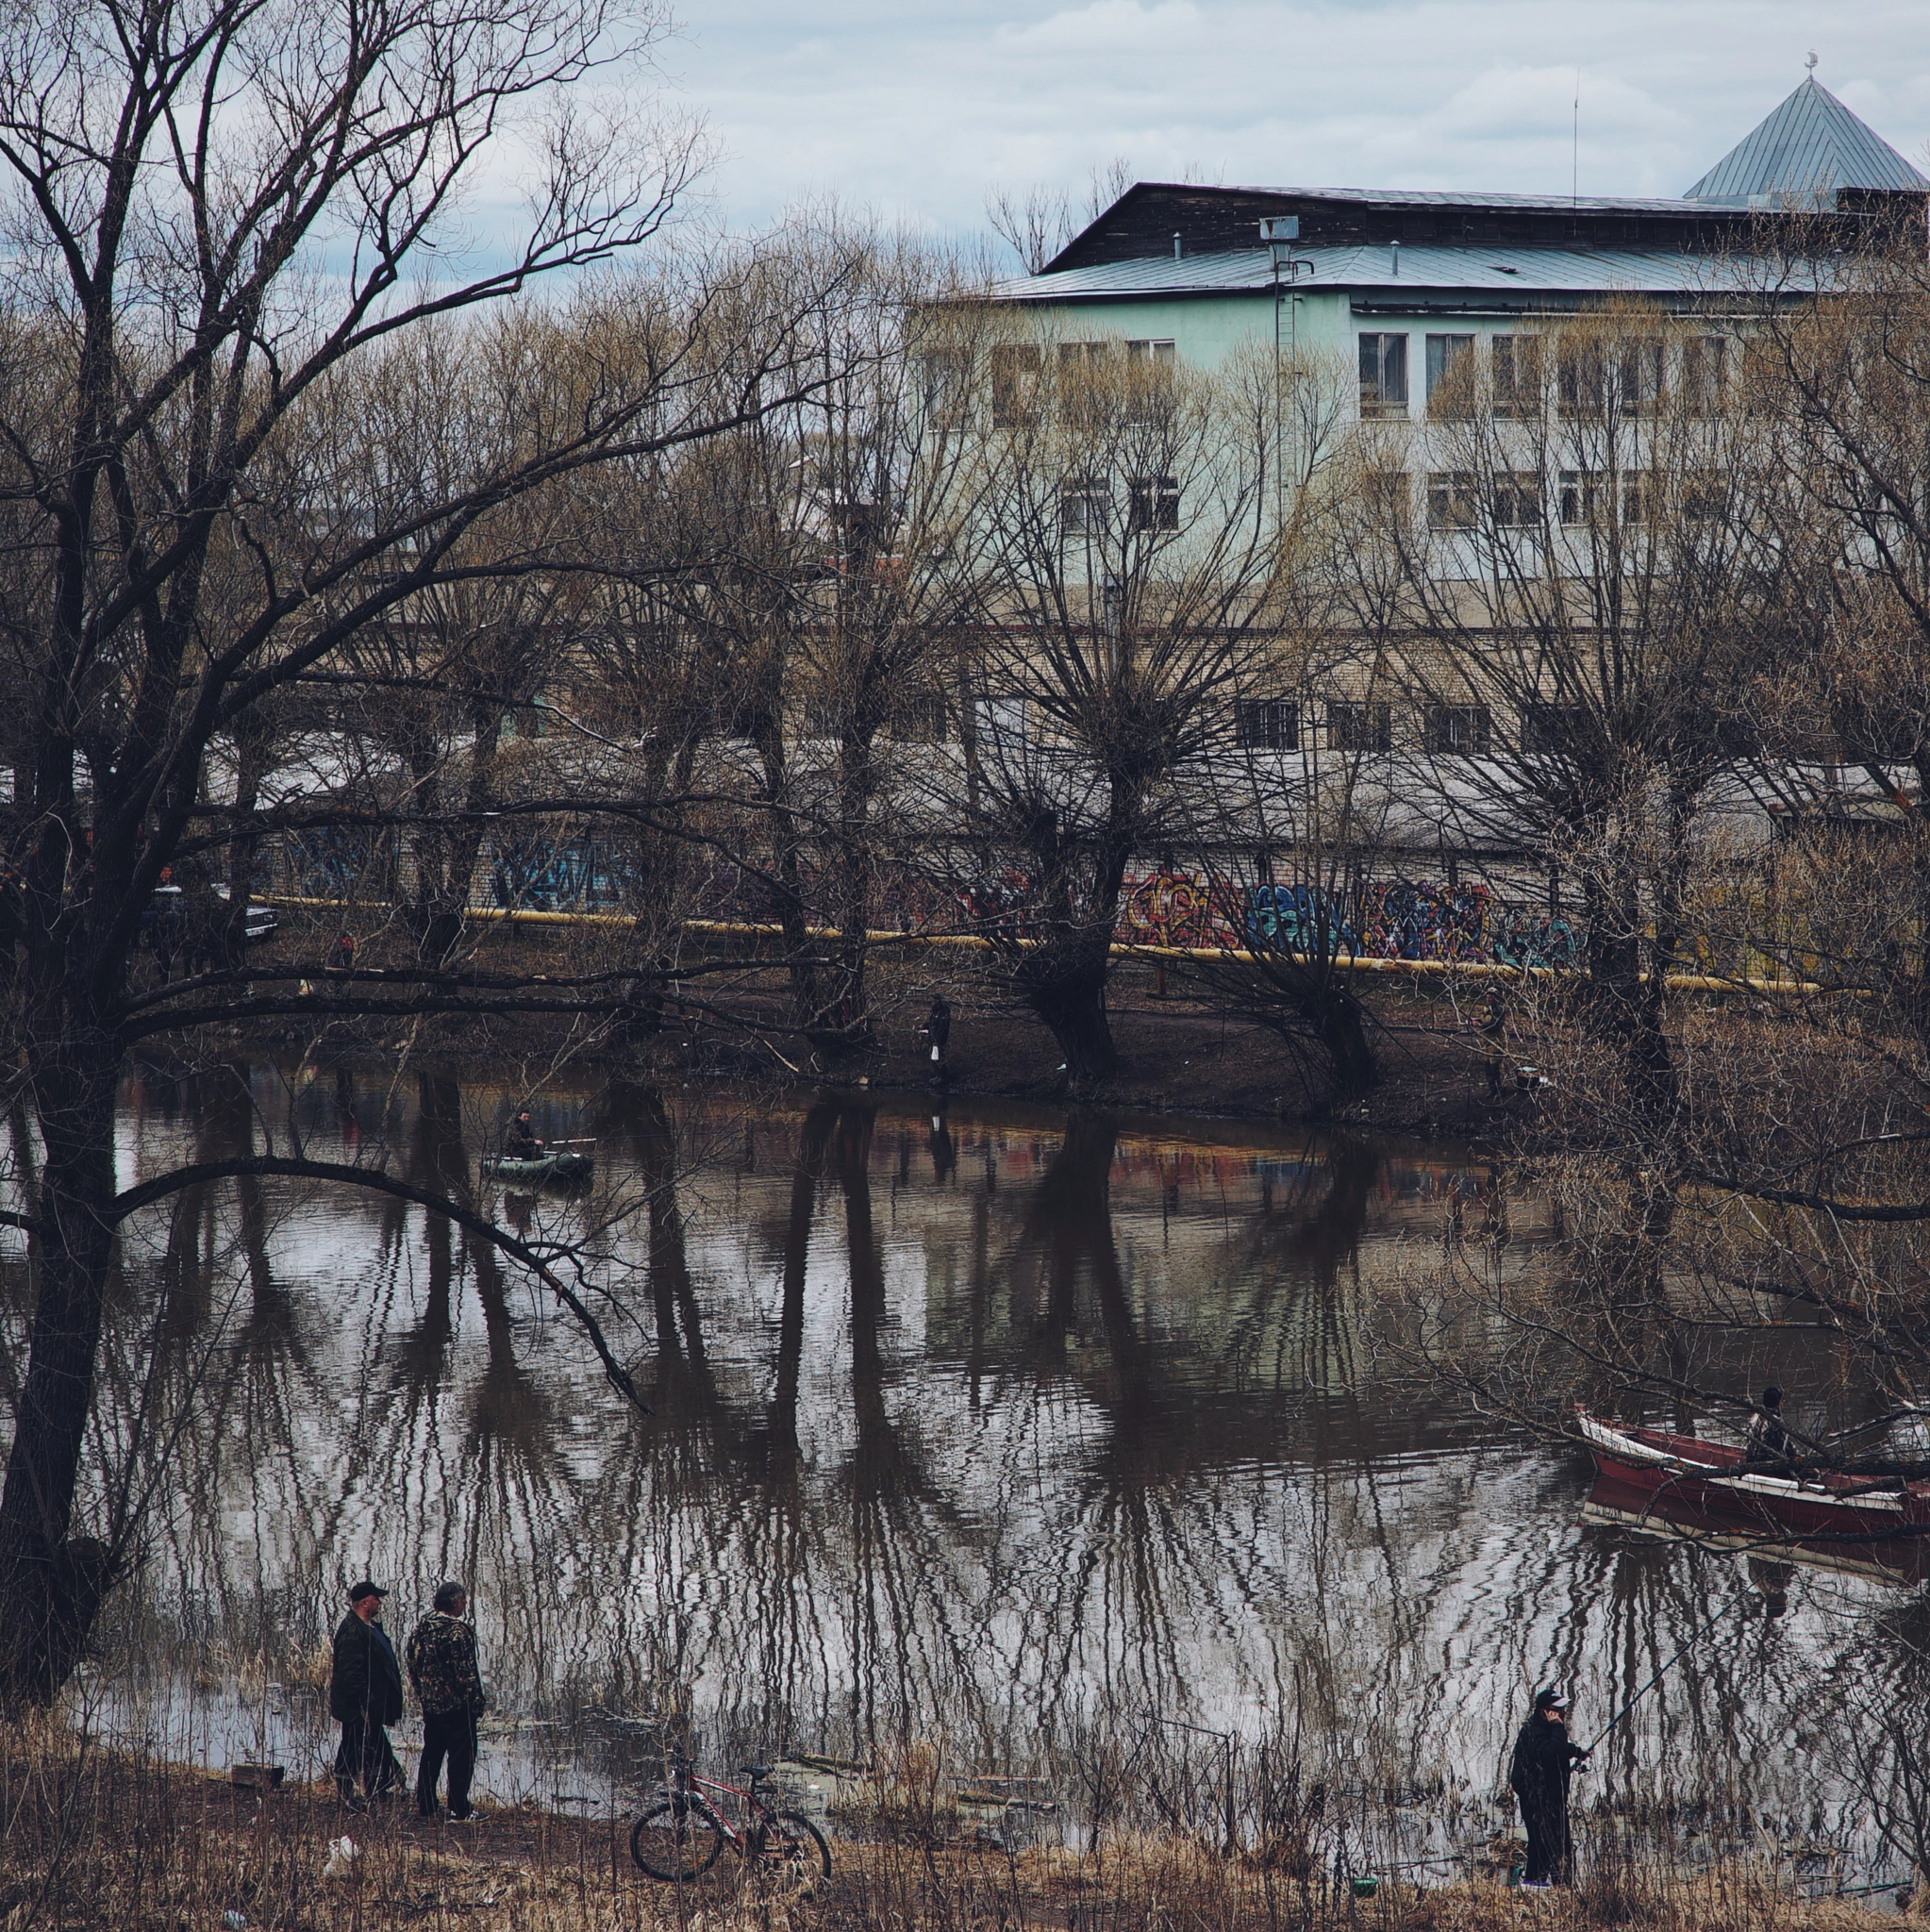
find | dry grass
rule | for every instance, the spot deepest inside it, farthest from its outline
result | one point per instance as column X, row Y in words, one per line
column 93, row 1840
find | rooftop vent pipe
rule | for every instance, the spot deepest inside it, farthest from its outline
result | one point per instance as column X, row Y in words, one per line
column 1395, row 251
column 1178, row 247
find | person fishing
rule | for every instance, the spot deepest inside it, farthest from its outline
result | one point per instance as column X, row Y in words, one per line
column 521, row 1144
column 1768, row 1438
column 1544, row 1760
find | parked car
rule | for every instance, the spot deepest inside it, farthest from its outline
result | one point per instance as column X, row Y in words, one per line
column 261, row 922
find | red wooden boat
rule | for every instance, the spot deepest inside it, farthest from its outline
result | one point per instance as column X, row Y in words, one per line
column 1649, row 1478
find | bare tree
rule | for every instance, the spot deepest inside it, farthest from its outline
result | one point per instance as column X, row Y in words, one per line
column 219, row 213
column 1035, row 225
column 1131, row 554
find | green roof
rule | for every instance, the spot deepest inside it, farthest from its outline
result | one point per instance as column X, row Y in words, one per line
column 1804, row 151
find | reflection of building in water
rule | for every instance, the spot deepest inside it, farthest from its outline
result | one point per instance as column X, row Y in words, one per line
column 1073, row 1418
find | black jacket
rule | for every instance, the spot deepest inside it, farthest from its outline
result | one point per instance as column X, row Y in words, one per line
column 938, row 1024
column 1543, row 1763
column 366, row 1683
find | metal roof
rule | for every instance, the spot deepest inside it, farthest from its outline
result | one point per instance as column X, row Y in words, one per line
column 1425, row 273
column 1447, row 197
column 1804, row 151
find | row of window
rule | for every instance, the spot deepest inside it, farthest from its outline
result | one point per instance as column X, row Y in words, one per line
column 1367, row 725
column 1152, row 504
column 1631, row 376
column 1519, row 500
column 1275, row 723
column 1017, row 370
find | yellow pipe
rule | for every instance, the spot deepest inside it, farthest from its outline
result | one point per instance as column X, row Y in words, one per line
column 1121, row 949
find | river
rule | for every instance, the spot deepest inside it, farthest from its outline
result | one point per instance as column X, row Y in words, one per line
column 995, row 1424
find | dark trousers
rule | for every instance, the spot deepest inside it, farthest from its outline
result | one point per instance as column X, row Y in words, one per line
column 449, row 1734
column 365, row 1758
column 1550, row 1851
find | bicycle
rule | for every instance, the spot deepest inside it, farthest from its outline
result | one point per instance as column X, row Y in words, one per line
column 678, row 1838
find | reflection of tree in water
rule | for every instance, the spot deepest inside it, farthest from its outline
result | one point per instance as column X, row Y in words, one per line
column 1138, row 1456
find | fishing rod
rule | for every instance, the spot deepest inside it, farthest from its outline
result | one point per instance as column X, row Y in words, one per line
column 1696, row 1636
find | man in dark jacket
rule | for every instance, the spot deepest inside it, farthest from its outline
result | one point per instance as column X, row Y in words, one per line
column 937, row 1033
column 448, row 1686
column 365, row 1698
column 1544, row 1760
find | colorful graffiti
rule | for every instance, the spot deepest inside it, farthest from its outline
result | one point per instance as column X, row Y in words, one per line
column 553, row 875
column 1392, row 919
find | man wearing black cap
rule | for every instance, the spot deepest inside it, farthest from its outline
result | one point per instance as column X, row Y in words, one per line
column 1544, row 1760
column 365, row 1698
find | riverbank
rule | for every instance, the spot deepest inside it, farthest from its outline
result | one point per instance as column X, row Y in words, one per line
column 97, row 1839
column 1182, row 1050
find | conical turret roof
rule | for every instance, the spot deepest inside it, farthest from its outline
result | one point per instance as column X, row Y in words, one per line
column 1806, row 149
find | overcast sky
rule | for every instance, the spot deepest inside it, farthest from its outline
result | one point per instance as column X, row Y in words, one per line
column 916, row 110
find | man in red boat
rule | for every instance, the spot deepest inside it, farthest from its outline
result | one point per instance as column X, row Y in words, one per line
column 1544, row 1760
column 1768, row 1440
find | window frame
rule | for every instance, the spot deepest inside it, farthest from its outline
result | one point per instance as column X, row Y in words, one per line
column 1457, row 731
column 1269, row 724
column 1381, row 405
column 1443, row 354
column 1153, row 504
column 1350, row 721
column 1016, row 373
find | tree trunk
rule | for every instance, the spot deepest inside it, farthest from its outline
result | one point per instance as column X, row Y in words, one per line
column 51, row 1584
column 1063, row 980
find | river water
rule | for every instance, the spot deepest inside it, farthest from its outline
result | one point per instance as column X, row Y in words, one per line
column 993, row 1424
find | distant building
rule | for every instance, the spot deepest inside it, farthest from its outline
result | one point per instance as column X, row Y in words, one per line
column 1391, row 275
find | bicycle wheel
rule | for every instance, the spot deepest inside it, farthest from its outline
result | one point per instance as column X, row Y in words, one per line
column 676, row 1840
column 792, row 1845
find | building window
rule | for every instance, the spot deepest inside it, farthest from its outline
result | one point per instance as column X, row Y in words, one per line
column 1015, row 386
column 1515, row 365
column 944, row 372
column 1637, row 496
column 1157, row 351
column 1155, row 503
column 1580, row 496
column 1383, row 375
column 1552, row 728
column 1705, row 375
column 1074, row 356
column 1581, row 379
column 1704, row 495
column 1082, row 505
column 1450, row 375
column 1459, row 730
column 1639, row 368
column 1518, row 501
column 1355, row 727
column 1266, row 724
column 919, row 718
column 1451, row 499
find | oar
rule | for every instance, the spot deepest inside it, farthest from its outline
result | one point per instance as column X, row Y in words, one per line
column 581, row 1141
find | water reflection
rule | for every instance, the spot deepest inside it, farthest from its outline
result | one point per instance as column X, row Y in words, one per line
column 990, row 1419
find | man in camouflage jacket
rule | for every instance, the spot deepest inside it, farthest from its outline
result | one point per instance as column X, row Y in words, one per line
column 448, row 1686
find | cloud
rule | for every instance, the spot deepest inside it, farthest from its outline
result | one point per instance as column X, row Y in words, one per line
column 918, row 111
column 1107, row 28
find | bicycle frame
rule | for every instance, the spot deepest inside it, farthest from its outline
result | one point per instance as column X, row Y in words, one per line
column 684, row 1781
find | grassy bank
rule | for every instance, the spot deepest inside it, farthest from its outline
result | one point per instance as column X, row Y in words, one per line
column 98, row 1838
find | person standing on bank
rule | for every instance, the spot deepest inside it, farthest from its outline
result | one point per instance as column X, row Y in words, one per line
column 448, row 1686
column 1544, row 1760
column 365, row 1698
column 938, row 1031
